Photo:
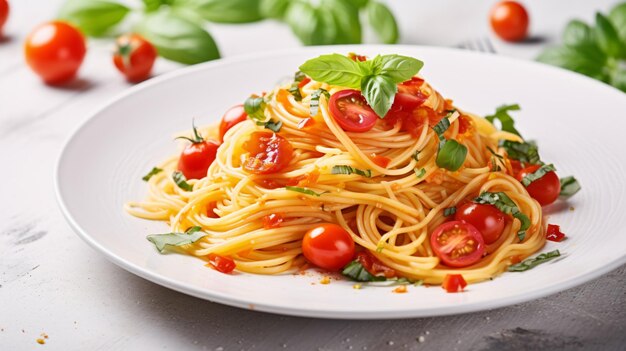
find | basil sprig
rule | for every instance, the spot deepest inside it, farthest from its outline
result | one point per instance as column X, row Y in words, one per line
column 376, row 78
column 154, row 171
column 534, row 261
column 181, row 181
column 504, row 203
column 294, row 89
column 538, row 174
column 343, row 169
column 163, row 241
column 525, row 152
column 451, row 154
column 355, row 271
column 507, row 123
column 569, row 186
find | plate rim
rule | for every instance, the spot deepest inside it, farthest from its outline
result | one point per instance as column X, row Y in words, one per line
column 274, row 308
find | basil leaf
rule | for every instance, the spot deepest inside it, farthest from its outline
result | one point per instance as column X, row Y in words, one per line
column 524, row 225
column 538, row 174
column 588, row 62
column 579, row 34
column 617, row 16
column 294, row 89
column 315, row 100
column 231, row 11
column 569, row 186
column 153, row 5
column 507, row 123
column 420, row 173
column 416, row 155
column 181, row 181
column 398, row 68
column 379, row 92
column 178, row 39
column 271, row 125
column 154, row 171
column 451, row 155
column 534, row 261
column 526, row 152
column 504, row 203
column 343, row 169
column 303, row 190
column 93, row 17
column 334, row 69
column 607, row 37
column 355, row 271
column 449, row 211
column 305, row 22
column 255, row 108
column 358, row 3
column 274, row 8
column 441, row 127
column 618, row 79
column 383, row 22
column 162, row 241
column 347, row 27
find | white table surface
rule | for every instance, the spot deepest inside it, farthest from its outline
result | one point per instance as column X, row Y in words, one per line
column 51, row 282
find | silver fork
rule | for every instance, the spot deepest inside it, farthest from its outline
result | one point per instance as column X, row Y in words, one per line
column 482, row 44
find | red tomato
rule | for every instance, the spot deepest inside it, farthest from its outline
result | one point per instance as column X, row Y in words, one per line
column 196, row 158
column 211, row 206
column 509, row 20
column 457, row 244
column 351, row 111
column 269, row 153
column 545, row 189
column 55, row 51
column 328, row 246
column 554, row 233
column 306, row 123
column 134, row 56
column 454, row 283
column 356, row 57
column 272, row 220
column 381, row 161
column 304, row 82
column 232, row 117
column 487, row 219
column 221, row 263
column 373, row 265
column 408, row 98
column 4, row 14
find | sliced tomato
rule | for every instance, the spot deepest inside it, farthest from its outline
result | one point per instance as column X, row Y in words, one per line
column 374, row 266
column 454, row 283
column 272, row 220
column 457, row 244
column 221, row 263
column 269, row 153
column 351, row 111
column 487, row 219
column 328, row 246
column 554, row 233
column 545, row 189
column 232, row 117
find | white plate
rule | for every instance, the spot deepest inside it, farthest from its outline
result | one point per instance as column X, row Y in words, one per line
column 578, row 122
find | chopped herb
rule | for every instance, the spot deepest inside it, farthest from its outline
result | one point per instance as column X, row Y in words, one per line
column 420, row 173
column 526, row 152
column 343, row 169
column 315, row 100
column 162, row 241
column 355, row 271
column 504, row 203
column 154, row 171
column 181, row 181
column 271, row 125
column 507, row 123
column 255, row 107
column 441, row 127
column 451, row 155
column 416, row 155
column 569, row 186
column 494, row 165
column 449, row 211
column 540, row 172
column 303, row 190
column 534, row 261
column 494, row 153
column 295, row 86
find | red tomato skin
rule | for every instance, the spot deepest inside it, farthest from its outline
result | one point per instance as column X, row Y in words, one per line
column 55, row 50
column 138, row 65
column 374, row 266
column 554, row 233
column 454, row 283
column 472, row 237
column 272, row 220
column 328, row 246
column 351, row 111
column 222, row 264
column 196, row 158
column 232, row 117
column 4, row 14
column 269, row 153
column 487, row 219
column 545, row 189
column 509, row 20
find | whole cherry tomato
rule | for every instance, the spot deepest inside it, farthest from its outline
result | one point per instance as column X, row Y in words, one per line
column 134, row 56
column 509, row 20
column 328, row 246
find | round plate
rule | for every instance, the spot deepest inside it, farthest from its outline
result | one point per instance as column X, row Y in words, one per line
column 577, row 122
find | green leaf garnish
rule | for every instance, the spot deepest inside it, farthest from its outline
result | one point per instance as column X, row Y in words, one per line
column 534, row 261
column 379, row 91
column 355, row 271
column 162, row 241
column 539, row 173
column 93, row 18
column 294, row 89
column 451, row 155
column 441, row 127
column 255, row 108
column 507, row 123
column 504, row 203
column 271, row 125
column 315, row 100
column 449, row 211
column 154, row 171
column 181, row 181
column 420, row 173
column 415, row 155
column 569, row 186
column 303, row 190
column 343, row 169
column 526, row 152
column 383, row 22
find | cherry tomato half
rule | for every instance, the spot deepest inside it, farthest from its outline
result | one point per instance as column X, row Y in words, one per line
column 453, row 283
column 134, row 56
column 55, row 51
column 328, row 246
column 487, row 219
column 545, row 189
column 351, row 111
column 196, row 158
column 232, row 117
column 269, row 153
column 4, row 14
column 374, row 266
column 221, row 263
column 509, row 20
column 457, row 244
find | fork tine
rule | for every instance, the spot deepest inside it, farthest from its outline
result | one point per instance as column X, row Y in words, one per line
column 489, row 45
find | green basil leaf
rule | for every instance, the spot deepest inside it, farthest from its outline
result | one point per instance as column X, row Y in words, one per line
column 271, row 125
column 358, row 3
column 355, row 271
column 618, row 79
column 181, row 181
column 441, row 127
column 307, row 24
column 154, row 171
column 379, row 91
column 178, row 39
column 526, row 152
column 607, row 37
column 303, row 190
column 617, row 16
column 451, row 155
column 578, row 34
column 343, row 169
column 230, row 11
column 153, row 5
column 315, row 100
column 449, row 211
column 162, row 241
column 504, row 203
column 274, row 8
column 398, row 68
column 416, row 155
column 347, row 27
column 93, row 17
column 507, row 123
column 255, row 108
column 420, row 173
column 588, row 62
column 383, row 22
column 524, row 225
column 569, row 186
column 538, row 174
column 334, row 69
column 534, row 261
